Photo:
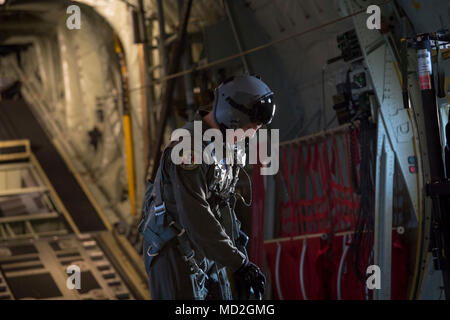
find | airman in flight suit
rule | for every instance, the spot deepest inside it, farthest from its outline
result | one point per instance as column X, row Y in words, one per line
column 192, row 237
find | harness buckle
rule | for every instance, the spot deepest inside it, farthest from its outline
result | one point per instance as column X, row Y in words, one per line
column 151, row 254
column 191, row 255
column 159, row 210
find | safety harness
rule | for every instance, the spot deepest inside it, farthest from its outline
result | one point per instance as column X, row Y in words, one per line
column 158, row 228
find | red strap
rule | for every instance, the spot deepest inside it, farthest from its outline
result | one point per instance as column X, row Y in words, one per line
column 289, row 216
column 327, row 201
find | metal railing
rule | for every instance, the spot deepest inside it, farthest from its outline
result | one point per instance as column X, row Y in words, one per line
column 29, row 206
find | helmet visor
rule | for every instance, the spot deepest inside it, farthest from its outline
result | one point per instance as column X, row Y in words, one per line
column 263, row 111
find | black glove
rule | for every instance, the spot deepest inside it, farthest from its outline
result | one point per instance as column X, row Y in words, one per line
column 249, row 276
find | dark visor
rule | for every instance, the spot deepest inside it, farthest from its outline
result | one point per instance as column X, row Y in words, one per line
column 263, row 111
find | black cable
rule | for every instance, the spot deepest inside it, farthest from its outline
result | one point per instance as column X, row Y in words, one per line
column 249, row 203
column 353, row 146
column 365, row 222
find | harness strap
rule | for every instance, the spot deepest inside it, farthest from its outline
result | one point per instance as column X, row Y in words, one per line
column 173, row 230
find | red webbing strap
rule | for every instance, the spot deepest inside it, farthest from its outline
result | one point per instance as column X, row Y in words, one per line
column 327, row 201
column 295, row 172
column 322, row 203
column 351, row 213
column 320, row 199
column 285, row 206
column 305, row 205
column 352, row 210
column 289, row 216
column 345, row 204
column 299, row 274
column 339, row 192
column 313, row 208
column 257, row 218
column 327, row 180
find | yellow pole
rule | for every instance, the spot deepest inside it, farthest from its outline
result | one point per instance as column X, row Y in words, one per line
column 130, row 161
column 127, row 127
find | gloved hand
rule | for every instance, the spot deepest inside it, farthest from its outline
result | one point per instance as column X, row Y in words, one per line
column 247, row 277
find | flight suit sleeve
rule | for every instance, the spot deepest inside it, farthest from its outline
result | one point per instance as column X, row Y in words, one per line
column 189, row 183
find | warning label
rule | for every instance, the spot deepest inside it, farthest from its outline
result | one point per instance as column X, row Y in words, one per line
column 425, row 68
